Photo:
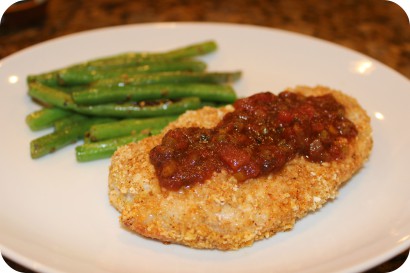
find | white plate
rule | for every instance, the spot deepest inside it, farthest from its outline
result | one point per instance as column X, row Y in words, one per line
column 55, row 215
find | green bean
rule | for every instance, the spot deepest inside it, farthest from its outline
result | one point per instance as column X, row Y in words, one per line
column 87, row 138
column 189, row 51
column 48, row 78
column 142, row 109
column 106, row 148
column 67, row 121
column 70, row 89
column 128, row 59
column 82, row 76
column 45, row 118
column 171, row 77
column 127, row 127
column 58, row 139
column 139, row 110
column 51, row 96
column 206, row 92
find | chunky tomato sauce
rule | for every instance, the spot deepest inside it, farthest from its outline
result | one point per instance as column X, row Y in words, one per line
column 263, row 133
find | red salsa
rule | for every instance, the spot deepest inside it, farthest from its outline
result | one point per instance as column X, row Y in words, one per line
column 263, row 133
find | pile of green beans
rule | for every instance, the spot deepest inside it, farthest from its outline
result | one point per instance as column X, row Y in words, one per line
column 114, row 100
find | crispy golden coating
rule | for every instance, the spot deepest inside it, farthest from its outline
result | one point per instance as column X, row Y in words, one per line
column 221, row 213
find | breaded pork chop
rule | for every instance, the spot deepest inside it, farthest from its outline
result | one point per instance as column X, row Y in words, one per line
column 222, row 213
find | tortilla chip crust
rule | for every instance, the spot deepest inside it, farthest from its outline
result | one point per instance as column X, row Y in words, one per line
column 221, row 213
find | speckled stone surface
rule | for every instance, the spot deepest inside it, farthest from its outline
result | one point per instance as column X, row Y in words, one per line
column 377, row 28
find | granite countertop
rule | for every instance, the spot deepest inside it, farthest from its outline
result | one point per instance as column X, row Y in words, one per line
column 377, row 28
